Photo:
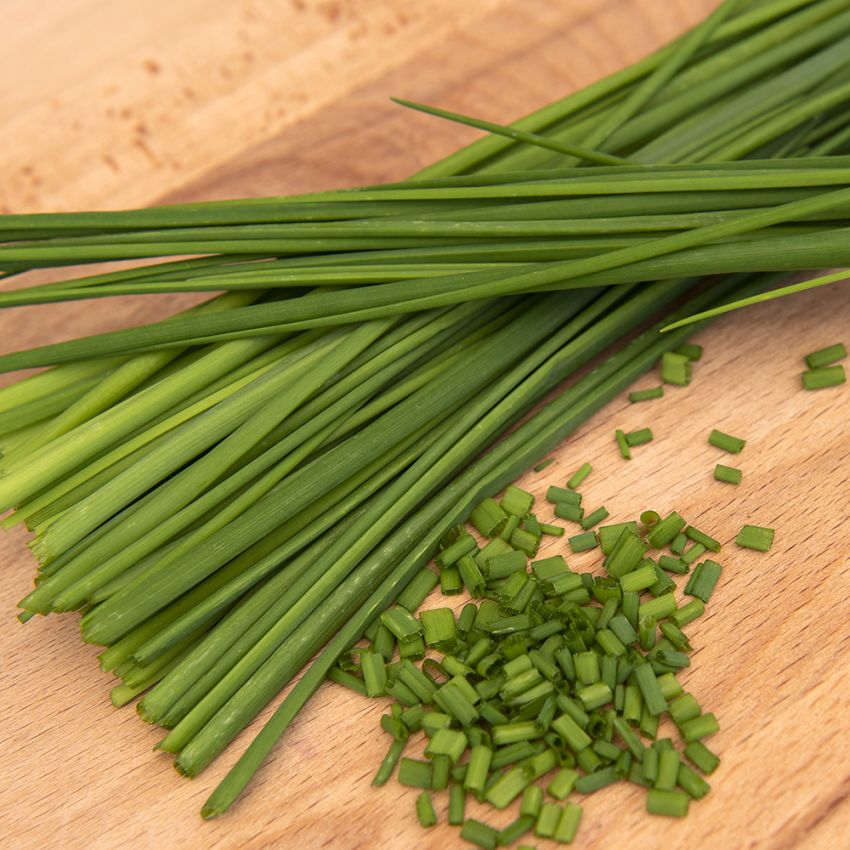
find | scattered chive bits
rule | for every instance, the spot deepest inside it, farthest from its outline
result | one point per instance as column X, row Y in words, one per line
column 728, row 474
column 823, row 377
column 690, row 350
column 639, row 437
column 728, row 443
column 826, row 356
column 646, row 395
column 623, row 444
column 552, row 683
column 675, row 369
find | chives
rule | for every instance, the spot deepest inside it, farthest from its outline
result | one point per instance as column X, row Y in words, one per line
column 826, row 376
column 447, row 742
column 699, row 727
column 646, row 395
column 568, row 511
column 480, row 834
column 532, row 800
column 583, row 542
column 755, row 537
column 653, row 699
column 462, row 546
column 568, row 825
column 701, row 756
column 661, row 606
column 425, row 810
column 726, row 442
column 692, row 783
column 648, row 519
column 414, row 774
column 547, row 820
column 727, row 474
column 597, row 780
column 516, row 501
column 669, row 803
column 577, row 478
column 683, row 708
column 703, row 580
column 639, row 437
column 488, row 517
column 675, row 369
column 516, row 830
column 439, row 627
column 623, row 444
column 610, row 534
column 594, row 518
column 402, row 624
column 690, row 350
column 688, row 613
column 457, row 804
column 668, row 769
column 374, row 673
column 672, row 565
column 525, row 541
column 696, row 551
column 507, row 788
column 419, row 587
column 555, row 495
column 562, row 783
column 665, row 531
column 701, row 537
column 501, row 566
column 551, row 530
column 826, row 356
column 677, row 547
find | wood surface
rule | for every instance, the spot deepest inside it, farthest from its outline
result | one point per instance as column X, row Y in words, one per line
column 112, row 104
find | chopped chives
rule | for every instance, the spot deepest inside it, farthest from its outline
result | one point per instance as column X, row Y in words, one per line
column 653, row 699
column 341, row 677
column 825, row 376
column 683, row 708
column 610, row 534
column 647, row 632
column 439, row 627
column 728, row 474
column 726, row 442
column 640, row 579
column 501, row 566
column 388, row 764
column 668, row 769
column 414, row 773
column 532, row 800
column 471, row 576
column 675, row 635
column 412, row 649
column 488, row 518
column 568, row 825
column 583, row 542
column 826, row 356
column 646, row 395
column 692, row 783
column 507, row 788
column 677, row 546
column 675, row 369
column 688, row 613
column 595, row 696
column 551, row 530
column 577, row 478
column 701, row 537
column 451, row 583
column 447, row 742
column 480, row 757
column 419, row 587
column 480, row 834
column 457, row 804
column 669, row 803
column 699, row 727
column 690, row 350
column 557, row 494
column 402, row 624
column 509, row 527
column 648, row 519
column 623, row 444
column 661, row 606
column 597, row 780
column 594, row 518
column 665, row 531
column 525, row 541
column 425, row 810
column 696, row 551
column 568, row 729
column 547, row 820
column 703, row 580
column 639, row 437
column 462, row 546
column 755, row 537
column 672, row 565
column 515, row 830
column 701, row 756
column 569, row 511
column 374, row 673
column 562, row 783
column 516, row 501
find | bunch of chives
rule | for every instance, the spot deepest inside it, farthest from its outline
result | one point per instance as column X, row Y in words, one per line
column 222, row 492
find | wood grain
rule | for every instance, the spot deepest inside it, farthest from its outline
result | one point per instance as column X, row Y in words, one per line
column 309, row 110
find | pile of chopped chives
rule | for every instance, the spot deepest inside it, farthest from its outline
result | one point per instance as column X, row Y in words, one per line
column 226, row 492
column 553, row 684
column 823, row 370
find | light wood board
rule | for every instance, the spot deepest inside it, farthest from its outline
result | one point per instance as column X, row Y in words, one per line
column 113, row 104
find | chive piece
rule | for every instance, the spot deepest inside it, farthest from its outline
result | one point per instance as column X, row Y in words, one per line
column 669, row 803
column 826, row 356
column 488, row 518
column 507, row 788
column 457, row 804
column 623, row 444
column 451, row 583
column 516, row 501
column 661, row 606
column 509, row 527
column 640, row 579
column 388, row 764
column 648, row 723
column 562, row 783
column 577, row 478
column 627, row 554
column 727, row 474
column 515, row 830
column 414, row 773
column 664, row 583
column 675, row 369
column 690, row 350
column 480, row 757
column 447, row 742
column 646, row 633
column 568, row 825
column 699, row 727
column 700, row 755
column 525, row 541
column 650, row 763
column 568, row 729
column 701, row 537
column 677, row 547
column 653, row 699
column 683, row 708
column 704, row 579
column 649, row 519
column 496, row 546
column 555, row 495
column 623, row 629
column 402, row 624
column 532, row 800
column 726, row 442
column 482, row 835
column 688, row 613
column 639, row 437
column 374, row 673
column 696, row 551
column 610, row 534
column 630, row 739
column 672, row 565
column 597, row 780
column 646, row 395
column 547, row 820
column 665, row 531
column 826, row 376
column 595, row 696
column 461, row 546
column 755, row 537
column 692, row 783
column 341, row 677
column 471, row 576
column 543, row 464
column 425, row 810
column 668, row 769
column 439, row 626
column 551, row 530
column 631, row 606
column 676, row 636
column 501, row 566
column 412, row 649
column 419, row 587
column 565, row 510
column 594, row 518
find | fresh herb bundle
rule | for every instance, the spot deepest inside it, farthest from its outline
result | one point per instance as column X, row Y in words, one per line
column 228, row 491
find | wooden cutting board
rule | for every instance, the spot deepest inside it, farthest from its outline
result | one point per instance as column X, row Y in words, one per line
column 113, row 104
